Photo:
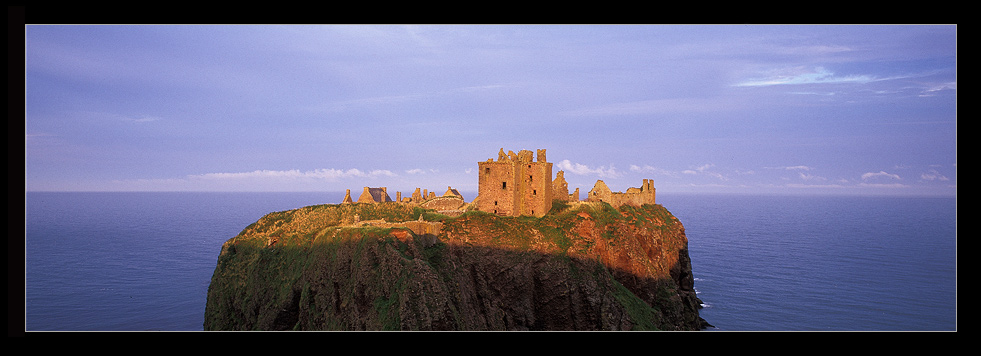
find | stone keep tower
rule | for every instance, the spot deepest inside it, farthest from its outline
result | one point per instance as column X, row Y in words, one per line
column 515, row 184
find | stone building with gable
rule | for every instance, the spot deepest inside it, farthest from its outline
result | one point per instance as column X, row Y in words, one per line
column 374, row 195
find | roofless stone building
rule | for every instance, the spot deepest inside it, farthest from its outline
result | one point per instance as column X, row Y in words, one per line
column 515, row 184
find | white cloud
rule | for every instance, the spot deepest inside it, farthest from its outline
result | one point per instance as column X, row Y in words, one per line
column 703, row 169
column 650, row 169
column 882, row 185
column 814, row 186
column 415, row 171
column 636, row 168
column 582, row 169
column 932, row 90
column 798, row 168
column 933, row 175
column 144, row 118
column 871, row 175
column 806, row 176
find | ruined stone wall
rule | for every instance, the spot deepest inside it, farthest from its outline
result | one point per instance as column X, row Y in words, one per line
column 633, row 196
column 444, row 203
column 418, row 227
column 560, row 189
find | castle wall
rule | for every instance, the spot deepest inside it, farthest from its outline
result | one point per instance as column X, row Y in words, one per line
column 633, row 196
column 418, row 227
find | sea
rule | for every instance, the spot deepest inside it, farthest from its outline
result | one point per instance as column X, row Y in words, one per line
column 142, row 261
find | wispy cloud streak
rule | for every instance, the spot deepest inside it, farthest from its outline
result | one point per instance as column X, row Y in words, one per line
column 882, row 174
column 326, row 174
column 800, row 75
column 582, row 169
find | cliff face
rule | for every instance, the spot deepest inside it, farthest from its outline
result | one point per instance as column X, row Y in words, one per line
column 583, row 266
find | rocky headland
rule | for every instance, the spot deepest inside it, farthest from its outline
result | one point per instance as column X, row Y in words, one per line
column 582, row 266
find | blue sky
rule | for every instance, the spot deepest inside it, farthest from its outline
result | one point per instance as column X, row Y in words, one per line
column 759, row 109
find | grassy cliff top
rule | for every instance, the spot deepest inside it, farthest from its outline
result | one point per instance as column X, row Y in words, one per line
column 579, row 228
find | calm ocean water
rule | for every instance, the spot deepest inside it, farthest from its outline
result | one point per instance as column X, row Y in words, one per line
column 143, row 261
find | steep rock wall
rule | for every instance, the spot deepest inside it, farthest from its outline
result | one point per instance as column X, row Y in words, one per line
column 584, row 266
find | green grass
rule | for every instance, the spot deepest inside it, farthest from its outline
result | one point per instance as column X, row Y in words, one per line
column 388, row 308
column 643, row 315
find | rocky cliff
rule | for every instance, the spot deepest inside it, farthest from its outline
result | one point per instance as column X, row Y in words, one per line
column 583, row 266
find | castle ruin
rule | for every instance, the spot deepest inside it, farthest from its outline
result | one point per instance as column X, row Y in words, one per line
column 515, row 184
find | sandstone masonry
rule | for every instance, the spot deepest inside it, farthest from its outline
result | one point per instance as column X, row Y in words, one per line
column 515, row 184
column 633, row 196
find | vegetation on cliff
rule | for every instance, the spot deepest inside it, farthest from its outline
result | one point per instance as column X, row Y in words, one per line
column 582, row 266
